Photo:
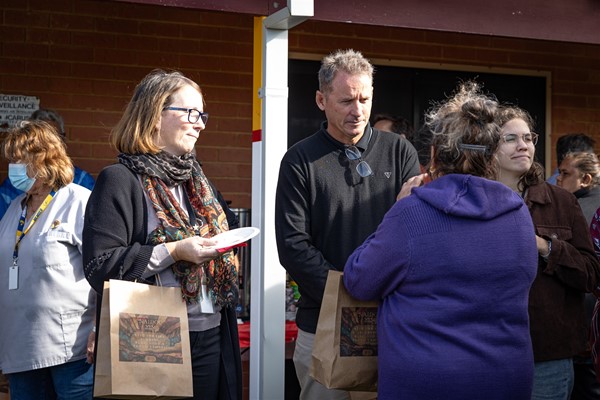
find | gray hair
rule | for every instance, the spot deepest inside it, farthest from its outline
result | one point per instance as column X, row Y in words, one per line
column 44, row 114
column 349, row 61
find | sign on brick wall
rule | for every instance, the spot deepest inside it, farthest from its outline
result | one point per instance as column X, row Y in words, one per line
column 15, row 108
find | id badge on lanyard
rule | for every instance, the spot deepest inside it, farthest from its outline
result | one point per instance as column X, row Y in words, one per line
column 13, row 277
column 13, row 270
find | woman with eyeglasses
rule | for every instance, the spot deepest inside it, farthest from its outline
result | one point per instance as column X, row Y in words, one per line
column 151, row 218
column 451, row 265
column 567, row 266
column 47, row 305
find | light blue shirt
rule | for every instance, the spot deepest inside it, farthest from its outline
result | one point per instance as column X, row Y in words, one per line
column 552, row 179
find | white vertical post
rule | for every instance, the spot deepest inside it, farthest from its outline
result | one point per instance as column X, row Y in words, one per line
column 267, row 303
column 268, row 358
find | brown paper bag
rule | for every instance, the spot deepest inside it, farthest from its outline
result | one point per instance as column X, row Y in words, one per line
column 143, row 343
column 344, row 354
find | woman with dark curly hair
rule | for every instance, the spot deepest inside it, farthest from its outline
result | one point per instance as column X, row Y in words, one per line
column 451, row 265
column 567, row 267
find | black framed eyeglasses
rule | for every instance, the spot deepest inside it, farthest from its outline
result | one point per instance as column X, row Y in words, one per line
column 193, row 114
column 362, row 167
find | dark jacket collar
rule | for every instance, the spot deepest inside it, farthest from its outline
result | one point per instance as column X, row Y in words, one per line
column 538, row 194
column 587, row 192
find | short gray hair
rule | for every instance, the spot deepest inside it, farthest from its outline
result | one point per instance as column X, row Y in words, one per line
column 349, row 61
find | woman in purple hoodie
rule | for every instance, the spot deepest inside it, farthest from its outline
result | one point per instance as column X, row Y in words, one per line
column 451, row 265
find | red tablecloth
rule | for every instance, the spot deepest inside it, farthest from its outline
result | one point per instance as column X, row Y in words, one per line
column 291, row 333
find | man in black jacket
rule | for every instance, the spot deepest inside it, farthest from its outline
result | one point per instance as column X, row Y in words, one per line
column 334, row 188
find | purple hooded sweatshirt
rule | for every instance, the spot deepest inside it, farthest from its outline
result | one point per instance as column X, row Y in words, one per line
column 451, row 266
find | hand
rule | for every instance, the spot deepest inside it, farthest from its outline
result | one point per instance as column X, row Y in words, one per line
column 194, row 249
column 542, row 246
column 91, row 344
column 408, row 186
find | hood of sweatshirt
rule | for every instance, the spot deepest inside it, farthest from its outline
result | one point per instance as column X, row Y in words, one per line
column 469, row 196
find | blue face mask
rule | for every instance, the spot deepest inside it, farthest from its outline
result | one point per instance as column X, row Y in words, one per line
column 17, row 174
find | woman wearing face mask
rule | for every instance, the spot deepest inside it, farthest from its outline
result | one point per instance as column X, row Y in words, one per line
column 151, row 218
column 567, row 265
column 47, row 305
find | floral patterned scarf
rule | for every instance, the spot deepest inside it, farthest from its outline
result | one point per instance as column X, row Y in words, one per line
column 161, row 171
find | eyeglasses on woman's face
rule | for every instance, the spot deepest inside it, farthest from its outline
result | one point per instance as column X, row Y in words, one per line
column 513, row 138
column 194, row 115
column 362, row 167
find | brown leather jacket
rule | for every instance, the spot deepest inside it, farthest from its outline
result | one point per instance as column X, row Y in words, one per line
column 556, row 299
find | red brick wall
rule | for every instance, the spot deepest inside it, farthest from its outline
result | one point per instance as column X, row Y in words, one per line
column 574, row 68
column 83, row 58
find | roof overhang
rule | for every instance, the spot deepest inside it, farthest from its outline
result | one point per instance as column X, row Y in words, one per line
column 576, row 21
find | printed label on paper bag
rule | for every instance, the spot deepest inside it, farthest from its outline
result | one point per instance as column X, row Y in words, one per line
column 150, row 338
column 358, row 334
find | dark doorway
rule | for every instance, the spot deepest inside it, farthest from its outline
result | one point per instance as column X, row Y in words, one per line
column 410, row 92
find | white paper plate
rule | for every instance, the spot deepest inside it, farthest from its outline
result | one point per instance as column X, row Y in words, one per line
column 235, row 236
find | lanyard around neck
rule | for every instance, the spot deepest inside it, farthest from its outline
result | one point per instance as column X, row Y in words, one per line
column 20, row 232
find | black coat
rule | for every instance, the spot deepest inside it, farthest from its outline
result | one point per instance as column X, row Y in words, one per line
column 114, row 247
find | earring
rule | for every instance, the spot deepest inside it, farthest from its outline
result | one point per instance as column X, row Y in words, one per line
column 430, row 172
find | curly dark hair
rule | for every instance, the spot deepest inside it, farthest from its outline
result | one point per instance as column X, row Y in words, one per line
column 465, row 133
column 535, row 174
